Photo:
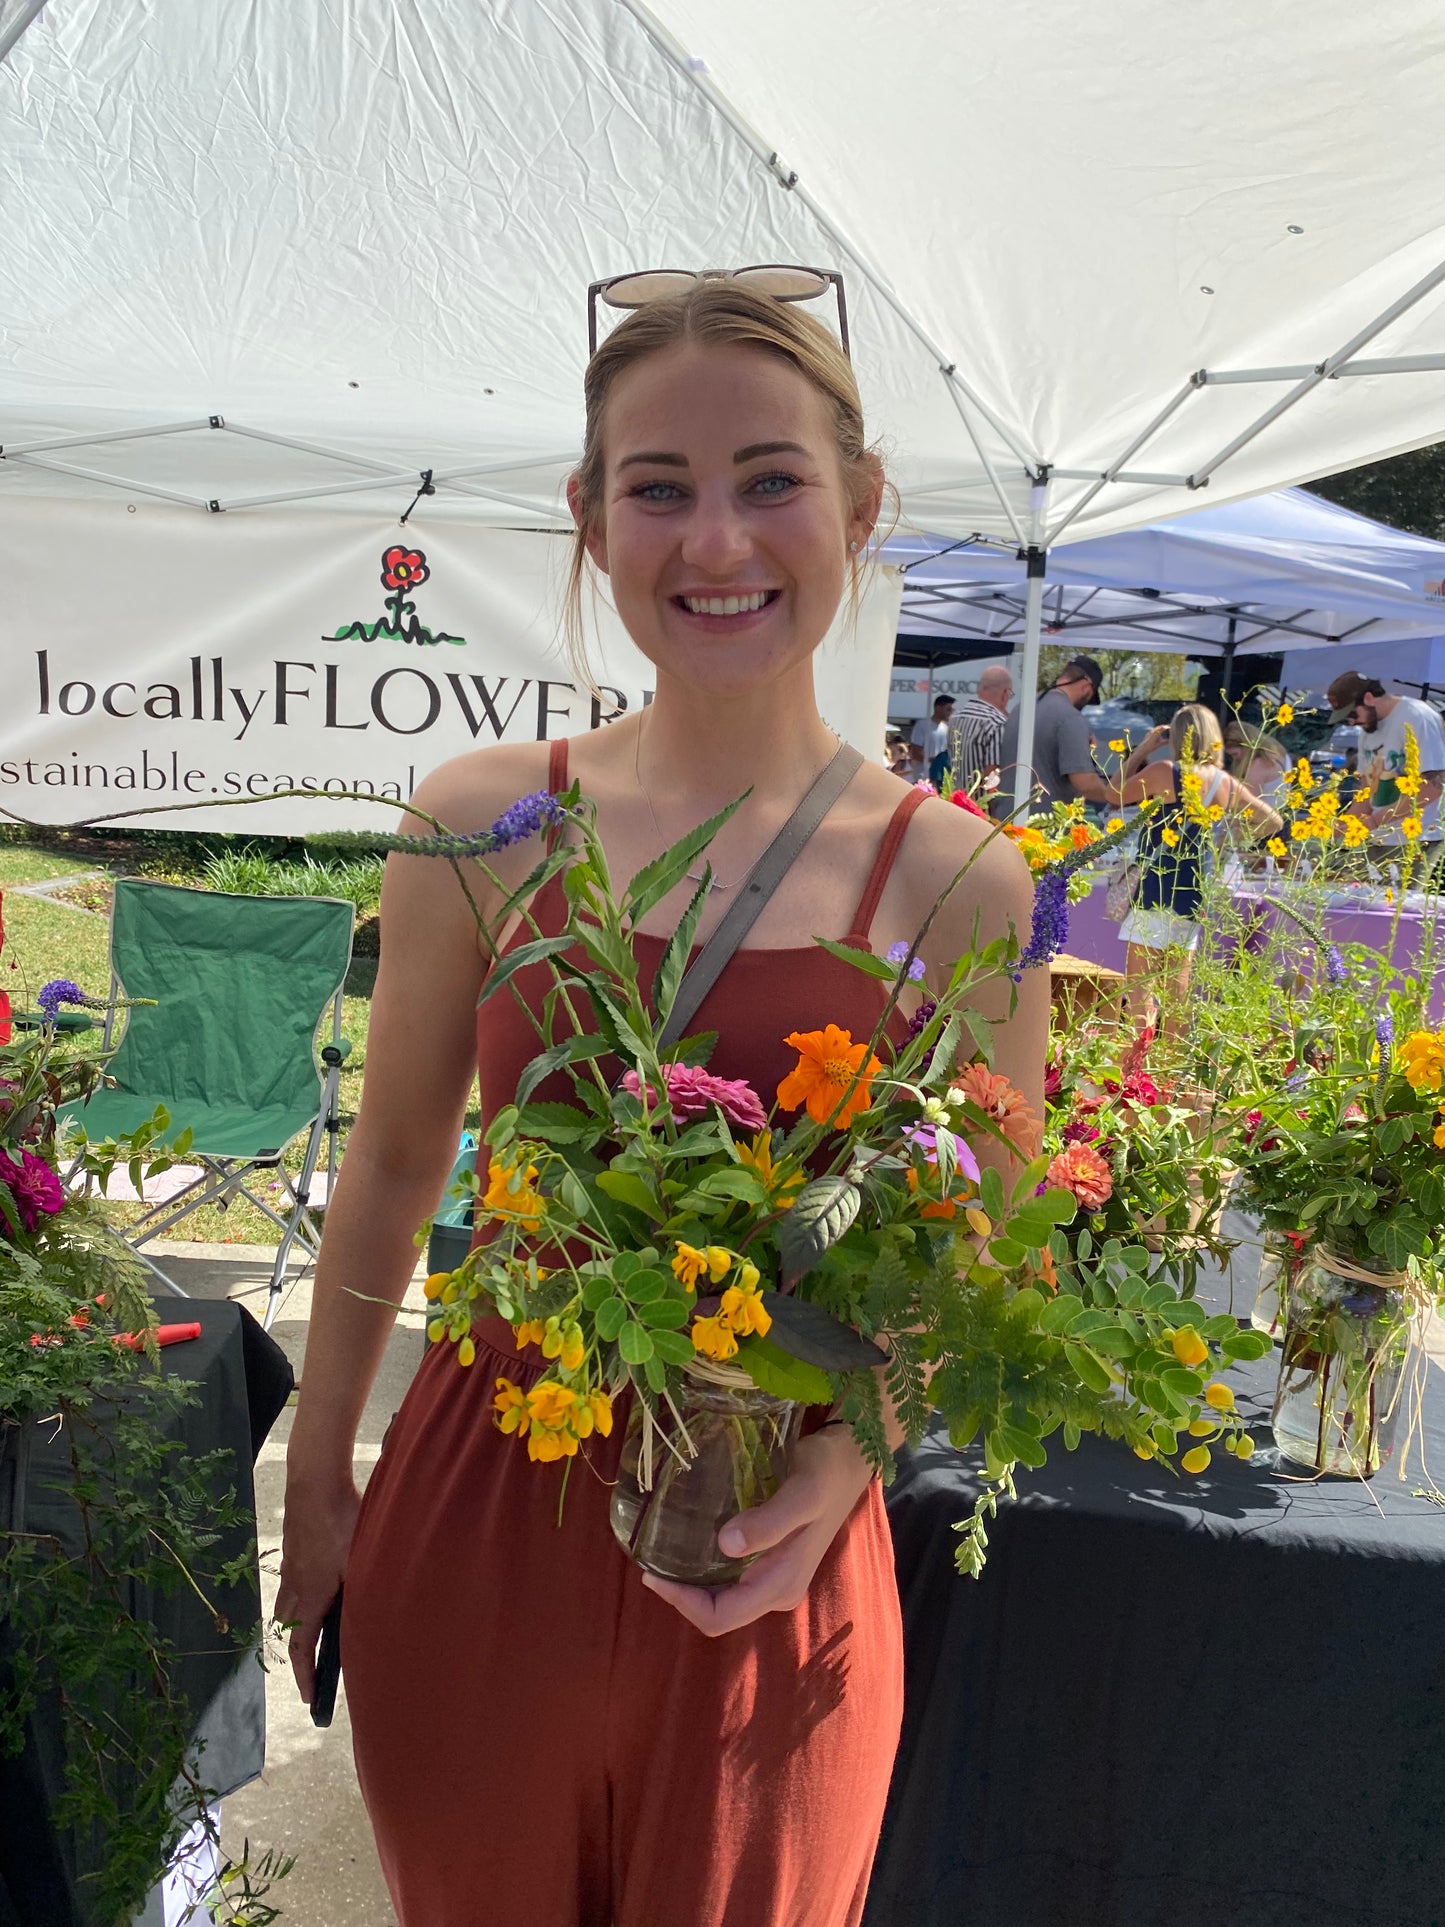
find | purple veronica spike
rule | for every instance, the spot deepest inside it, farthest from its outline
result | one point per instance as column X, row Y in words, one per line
column 60, row 990
column 1335, row 970
column 1050, row 927
column 526, row 816
column 1384, row 1029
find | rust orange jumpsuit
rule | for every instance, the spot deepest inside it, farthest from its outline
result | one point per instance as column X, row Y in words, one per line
column 542, row 1742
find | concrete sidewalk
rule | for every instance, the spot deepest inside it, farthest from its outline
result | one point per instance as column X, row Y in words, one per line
column 307, row 1801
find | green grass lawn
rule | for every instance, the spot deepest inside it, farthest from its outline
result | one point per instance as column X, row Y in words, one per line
column 48, row 940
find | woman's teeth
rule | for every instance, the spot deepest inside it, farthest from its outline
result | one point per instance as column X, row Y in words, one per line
column 726, row 605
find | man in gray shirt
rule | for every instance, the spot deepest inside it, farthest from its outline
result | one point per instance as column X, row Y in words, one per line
column 1063, row 763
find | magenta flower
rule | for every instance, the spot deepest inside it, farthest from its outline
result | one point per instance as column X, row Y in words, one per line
column 927, row 1136
column 692, row 1093
column 34, row 1187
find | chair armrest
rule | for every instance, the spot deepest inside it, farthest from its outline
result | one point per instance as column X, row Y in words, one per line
column 334, row 1054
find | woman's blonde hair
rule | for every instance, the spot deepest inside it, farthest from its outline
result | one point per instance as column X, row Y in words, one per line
column 1269, row 749
column 1195, row 736
column 714, row 314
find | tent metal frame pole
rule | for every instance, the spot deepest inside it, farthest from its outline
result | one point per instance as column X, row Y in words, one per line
column 108, row 481
column 29, row 14
column 691, row 70
column 1386, row 365
column 1321, row 373
column 1111, row 473
column 956, row 395
column 108, row 435
column 1037, row 561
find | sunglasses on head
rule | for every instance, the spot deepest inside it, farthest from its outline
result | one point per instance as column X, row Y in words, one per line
column 782, row 282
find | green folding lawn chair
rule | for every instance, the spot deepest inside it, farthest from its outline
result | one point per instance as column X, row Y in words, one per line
column 229, row 1047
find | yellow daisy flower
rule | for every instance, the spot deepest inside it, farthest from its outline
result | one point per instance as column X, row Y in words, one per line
column 1284, row 715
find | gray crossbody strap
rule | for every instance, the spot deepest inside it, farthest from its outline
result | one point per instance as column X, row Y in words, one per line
column 767, row 873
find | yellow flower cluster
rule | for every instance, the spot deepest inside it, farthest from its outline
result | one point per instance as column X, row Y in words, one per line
column 1408, row 783
column 553, row 1418
column 742, row 1309
column 779, row 1181
column 1422, row 1060
column 511, row 1194
column 560, row 1339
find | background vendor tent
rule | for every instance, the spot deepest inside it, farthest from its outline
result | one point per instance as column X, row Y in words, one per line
column 1097, row 259
column 1286, row 572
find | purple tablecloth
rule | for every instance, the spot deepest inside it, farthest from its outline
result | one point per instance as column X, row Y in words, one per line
column 1093, row 936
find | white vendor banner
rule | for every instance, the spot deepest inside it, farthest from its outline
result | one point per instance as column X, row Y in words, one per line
column 159, row 656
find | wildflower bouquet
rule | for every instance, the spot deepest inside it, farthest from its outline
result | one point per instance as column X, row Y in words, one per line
column 835, row 1240
column 1142, row 1157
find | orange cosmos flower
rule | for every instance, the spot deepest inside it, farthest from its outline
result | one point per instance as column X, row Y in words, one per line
column 1080, row 1169
column 998, row 1099
column 828, row 1061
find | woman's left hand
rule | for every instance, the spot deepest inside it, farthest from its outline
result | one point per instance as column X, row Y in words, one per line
column 790, row 1534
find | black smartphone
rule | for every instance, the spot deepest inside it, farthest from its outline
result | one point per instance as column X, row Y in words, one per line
column 328, row 1666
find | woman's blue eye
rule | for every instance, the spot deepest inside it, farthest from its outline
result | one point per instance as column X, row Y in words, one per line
column 654, row 491
column 775, row 484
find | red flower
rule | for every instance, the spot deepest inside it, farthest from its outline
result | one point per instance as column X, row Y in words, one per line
column 965, row 802
column 1081, row 1170
column 403, row 569
column 1053, row 1080
column 33, row 1186
column 1076, row 1131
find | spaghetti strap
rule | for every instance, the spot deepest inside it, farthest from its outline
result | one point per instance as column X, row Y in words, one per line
column 882, row 864
column 557, row 765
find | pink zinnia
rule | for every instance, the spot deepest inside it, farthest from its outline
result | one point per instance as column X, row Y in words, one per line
column 692, row 1093
column 33, row 1185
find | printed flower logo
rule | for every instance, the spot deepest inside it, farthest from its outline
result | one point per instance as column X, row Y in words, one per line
column 403, row 569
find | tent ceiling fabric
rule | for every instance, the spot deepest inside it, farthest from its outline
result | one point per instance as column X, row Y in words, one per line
column 369, row 228
column 1290, row 570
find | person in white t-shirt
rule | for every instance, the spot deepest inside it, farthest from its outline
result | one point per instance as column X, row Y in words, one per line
column 929, row 741
column 1385, row 721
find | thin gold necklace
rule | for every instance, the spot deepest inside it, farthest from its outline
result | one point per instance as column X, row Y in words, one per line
column 694, row 876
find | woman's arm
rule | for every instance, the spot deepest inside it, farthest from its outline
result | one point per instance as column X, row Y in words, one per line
column 1242, row 802
column 1155, row 780
column 1157, row 737
column 420, row 1059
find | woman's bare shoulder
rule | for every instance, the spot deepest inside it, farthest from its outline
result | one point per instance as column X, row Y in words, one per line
column 470, row 792
column 942, row 840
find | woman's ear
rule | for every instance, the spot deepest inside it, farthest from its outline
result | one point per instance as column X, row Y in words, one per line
column 593, row 537
column 867, row 505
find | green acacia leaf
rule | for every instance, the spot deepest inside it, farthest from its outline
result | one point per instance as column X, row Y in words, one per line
column 991, row 1192
column 667, row 1314
column 635, row 1343
column 820, row 1214
column 644, row 1287
column 596, row 1291
column 611, row 1317
column 1087, row 1368
column 675, row 1348
column 656, row 1371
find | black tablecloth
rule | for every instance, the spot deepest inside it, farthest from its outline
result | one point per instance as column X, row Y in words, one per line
column 1191, row 1702
column 242, row 1380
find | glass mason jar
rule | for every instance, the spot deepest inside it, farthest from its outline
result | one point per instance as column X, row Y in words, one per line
column 1278, row 1262
column 728, row 1447
column 1347, row 1333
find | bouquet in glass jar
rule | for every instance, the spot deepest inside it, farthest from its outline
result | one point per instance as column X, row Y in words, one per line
column 1340, row 1157
column 716, row 1259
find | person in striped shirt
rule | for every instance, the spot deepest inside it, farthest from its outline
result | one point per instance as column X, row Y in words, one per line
column 978, row 729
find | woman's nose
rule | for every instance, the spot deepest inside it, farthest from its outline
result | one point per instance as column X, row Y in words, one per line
column 717, row 537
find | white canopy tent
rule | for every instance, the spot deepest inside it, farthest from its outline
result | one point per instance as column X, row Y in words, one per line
column 1278, row 573
column 1097, row 259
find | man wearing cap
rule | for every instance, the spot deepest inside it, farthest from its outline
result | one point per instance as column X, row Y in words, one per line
column 1063, row 768
column 1385, row 721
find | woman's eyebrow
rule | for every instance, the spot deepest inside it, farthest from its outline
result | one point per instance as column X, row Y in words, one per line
column 654, row 456
column 754, row 449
